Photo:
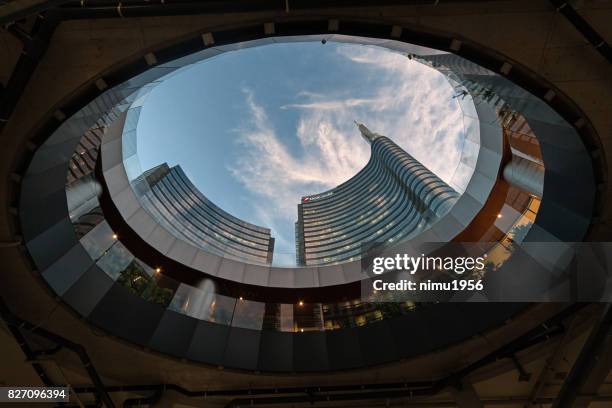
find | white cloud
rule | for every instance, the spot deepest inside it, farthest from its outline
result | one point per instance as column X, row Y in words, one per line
column 331, row 105
column 281, row 178
column 413, row 106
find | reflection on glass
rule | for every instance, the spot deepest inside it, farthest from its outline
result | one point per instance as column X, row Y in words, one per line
column 222, row 309
column 286, row 317
column 515, row 228
column 135, row 278
column 308, row 317
column 249, row 314
column 115, row 260
column 98, row 240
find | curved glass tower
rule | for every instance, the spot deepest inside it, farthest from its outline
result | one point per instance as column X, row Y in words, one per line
column 168, row 194
column 392, row 198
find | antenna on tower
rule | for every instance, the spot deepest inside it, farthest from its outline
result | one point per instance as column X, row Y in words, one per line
column 367, row 134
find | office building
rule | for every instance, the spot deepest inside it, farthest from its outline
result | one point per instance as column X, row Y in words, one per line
column 172, row 199
column 393, row 198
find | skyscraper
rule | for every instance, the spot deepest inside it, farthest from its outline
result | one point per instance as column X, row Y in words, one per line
column 514, row 109
column 168, row 194
column 392, row 198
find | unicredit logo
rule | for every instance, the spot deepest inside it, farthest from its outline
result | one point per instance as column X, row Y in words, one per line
column 306, row 199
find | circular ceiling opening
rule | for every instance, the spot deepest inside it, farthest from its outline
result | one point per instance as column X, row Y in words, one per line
column 258, row 129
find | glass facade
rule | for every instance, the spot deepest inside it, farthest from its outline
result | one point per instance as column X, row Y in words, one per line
column 172, row 199
column 84, row 158
column 394, row 197
column 112, row 258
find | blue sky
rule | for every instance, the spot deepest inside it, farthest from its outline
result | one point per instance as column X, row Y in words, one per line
column 258, row 128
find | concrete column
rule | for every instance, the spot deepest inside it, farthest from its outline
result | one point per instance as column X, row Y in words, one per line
column 81, row 195
column 525, row 174
column 466, row 396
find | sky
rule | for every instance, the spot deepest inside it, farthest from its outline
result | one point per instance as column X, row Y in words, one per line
column 257, row 129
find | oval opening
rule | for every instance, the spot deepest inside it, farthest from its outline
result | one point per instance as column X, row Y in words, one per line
column 254, row 132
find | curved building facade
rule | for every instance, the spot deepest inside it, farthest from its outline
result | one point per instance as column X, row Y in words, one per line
column 392, row 198
column 171, row 198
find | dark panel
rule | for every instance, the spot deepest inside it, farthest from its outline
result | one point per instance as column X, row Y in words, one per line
column 66, row 270
column 377, row 343
column 49, row 246
column 310, row 352
column 475, row 318
column 126, row 315
column 444, row 322
column 522, row 277
column 85, row 294
column 572, row 229
column 36, row 220
column 46, row 180
column 561, row 136
column 437, row 326
column 343, row 349
column 570, row 183
column 242, row 348
column 173, row 334
column 411, row 334
column 419, row 37
column 208, row 343
column 276, row 351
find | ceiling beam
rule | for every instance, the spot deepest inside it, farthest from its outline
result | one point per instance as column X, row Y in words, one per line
column 93, row 9
column 465, row 395
column 583, row 26
column 33, row 50
column 18, row 9
column 591, row 367
column 552, row 363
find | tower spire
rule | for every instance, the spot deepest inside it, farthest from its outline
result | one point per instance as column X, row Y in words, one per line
column 367, row 134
